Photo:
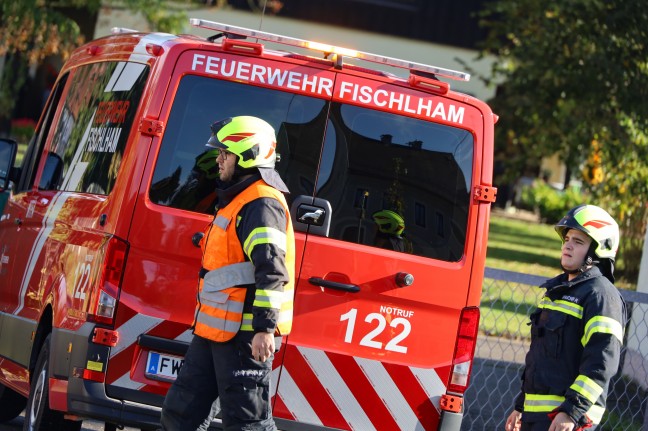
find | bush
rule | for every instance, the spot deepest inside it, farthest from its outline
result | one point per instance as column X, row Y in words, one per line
column 550, row 203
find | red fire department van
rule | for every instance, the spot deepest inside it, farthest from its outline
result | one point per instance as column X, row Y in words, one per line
column 391, row 188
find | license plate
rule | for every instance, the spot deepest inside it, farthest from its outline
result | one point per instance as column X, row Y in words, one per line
column 160, row 366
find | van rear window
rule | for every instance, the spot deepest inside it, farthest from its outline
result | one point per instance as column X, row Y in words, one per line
column 392, row 181
column 397, row 182
column 186, row 173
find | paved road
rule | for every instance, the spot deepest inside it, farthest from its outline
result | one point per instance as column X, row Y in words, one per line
column 486, row 412
column 494, row 383
column 17, row 424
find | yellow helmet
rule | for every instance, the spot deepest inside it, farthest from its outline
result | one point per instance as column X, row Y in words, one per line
column 206, row 163
column 597, row 224
column 389, row 222
column 250, row 138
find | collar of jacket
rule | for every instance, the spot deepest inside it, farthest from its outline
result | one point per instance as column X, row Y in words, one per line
column 560, row 282
column 229, row 192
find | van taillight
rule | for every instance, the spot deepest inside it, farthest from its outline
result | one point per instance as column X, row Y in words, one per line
column 104, row 299
column 464, row 350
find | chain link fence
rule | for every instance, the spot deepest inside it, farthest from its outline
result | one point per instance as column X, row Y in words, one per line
column 507, row 300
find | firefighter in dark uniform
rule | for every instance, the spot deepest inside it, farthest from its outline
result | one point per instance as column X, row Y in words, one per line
column 576, row 331
column 245, row 293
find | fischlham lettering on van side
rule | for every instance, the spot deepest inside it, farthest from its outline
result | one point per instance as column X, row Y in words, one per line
column 105, row 137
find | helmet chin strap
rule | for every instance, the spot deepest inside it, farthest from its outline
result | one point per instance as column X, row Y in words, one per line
column 587, row 264
column 241, row 173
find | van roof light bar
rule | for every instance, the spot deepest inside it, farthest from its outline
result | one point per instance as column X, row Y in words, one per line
column 328, row 49
column 122, row 30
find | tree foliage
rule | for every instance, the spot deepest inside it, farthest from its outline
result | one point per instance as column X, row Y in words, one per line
column 575, row 82
column 161, row 15
column 32, row 30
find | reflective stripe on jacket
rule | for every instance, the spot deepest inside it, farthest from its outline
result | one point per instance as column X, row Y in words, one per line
column 222, row 309
column 576, row 339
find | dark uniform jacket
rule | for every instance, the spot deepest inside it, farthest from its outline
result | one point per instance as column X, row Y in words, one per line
column 576, row 337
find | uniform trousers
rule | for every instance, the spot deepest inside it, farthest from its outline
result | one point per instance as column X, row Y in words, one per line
column 223, row 371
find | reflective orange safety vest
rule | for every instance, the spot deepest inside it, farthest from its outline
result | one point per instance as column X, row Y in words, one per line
column 221, row 301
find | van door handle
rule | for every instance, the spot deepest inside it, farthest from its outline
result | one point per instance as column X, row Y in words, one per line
column 195, row 239
column 317, row 281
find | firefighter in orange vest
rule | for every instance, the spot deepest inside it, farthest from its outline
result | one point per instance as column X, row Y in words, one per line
column 246, row 288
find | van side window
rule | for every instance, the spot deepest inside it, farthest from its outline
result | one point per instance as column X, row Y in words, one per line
column 34, row 152
column 396, row 182
column 186, row 172
column 93, row 128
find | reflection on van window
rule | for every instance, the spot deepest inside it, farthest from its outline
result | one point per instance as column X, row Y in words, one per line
column 94, row 126
column 185, row 173
column 393, row 182
column 396, row 182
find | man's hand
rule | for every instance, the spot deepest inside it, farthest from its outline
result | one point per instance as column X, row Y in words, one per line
column 263, row 345
column 514, row 421
column 562, row 422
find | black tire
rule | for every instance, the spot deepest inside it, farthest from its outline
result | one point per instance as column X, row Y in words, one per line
column 38, row 416
column 12, row 403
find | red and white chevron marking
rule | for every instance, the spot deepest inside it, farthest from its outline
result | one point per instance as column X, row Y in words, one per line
column 122, row 355
column 351, row 393
column 316, row 387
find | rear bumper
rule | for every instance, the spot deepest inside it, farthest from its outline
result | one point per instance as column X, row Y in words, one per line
column 89, row 399
column 72, row 351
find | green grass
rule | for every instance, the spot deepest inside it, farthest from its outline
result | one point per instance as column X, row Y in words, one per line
column 519, row 246
column 523, row 246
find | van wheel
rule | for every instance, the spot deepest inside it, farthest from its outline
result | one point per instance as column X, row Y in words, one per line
column 38, row 416
column 12, row 403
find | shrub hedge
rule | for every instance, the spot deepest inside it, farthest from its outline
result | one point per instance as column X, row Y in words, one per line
column 550, row 203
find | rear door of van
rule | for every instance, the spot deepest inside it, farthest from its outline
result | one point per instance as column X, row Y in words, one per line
column 177, row 197
column 380, row 295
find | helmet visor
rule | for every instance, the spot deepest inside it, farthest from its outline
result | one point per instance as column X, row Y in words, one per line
column 216, row 127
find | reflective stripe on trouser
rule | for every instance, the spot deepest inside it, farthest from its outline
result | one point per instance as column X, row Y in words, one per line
column 226, row 371
column 540, row 403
